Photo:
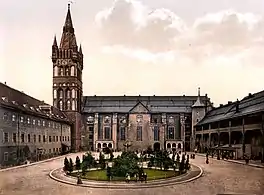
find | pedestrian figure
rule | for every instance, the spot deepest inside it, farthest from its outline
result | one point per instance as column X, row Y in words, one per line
column 207, row 160
column 145, row 177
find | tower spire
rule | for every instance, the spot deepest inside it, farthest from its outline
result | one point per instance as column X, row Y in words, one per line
column 54, row 41
column 198, row 102
column 68, row 40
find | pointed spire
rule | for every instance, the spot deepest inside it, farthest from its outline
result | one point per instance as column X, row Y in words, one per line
column 68, row 21
column 55, row 41
column 80, row 49
column 68, row 40
column 198, row 102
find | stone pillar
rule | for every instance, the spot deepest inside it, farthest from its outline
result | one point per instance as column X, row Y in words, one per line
column 114, row 131
column 95, row 130
column 162, row 136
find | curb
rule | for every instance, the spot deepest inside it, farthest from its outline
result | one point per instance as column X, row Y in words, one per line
column 127, row 186
column 35, row 163
column 234, row 161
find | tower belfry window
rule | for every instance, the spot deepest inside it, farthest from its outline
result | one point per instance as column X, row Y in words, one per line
column 61, row 71
column 55, row 93
column 60, row 105
column 72, row 71
column 68, row 105
column 73, row 93
column 61, row 94
column 73, row 104
column 56, row 71
column 67, row 71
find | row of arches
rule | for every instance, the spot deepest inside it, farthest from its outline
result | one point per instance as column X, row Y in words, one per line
column 104, row 145
column 69, row 105
column 63, row 53
column 173, row 145
column 232, row 138
column 64, row 71
column 68, row 93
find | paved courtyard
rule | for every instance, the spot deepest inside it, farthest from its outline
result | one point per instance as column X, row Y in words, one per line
column 219, row 177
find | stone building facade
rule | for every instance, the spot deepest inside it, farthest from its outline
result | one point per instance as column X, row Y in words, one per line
column 30, row 129
column 160, row 122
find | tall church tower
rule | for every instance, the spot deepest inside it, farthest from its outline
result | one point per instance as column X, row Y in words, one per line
column 67, row 78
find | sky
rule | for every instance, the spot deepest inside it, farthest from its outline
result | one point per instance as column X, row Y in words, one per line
column 133, row 47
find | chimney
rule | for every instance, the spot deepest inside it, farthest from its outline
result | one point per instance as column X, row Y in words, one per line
column 229, row 102
column 221, row 105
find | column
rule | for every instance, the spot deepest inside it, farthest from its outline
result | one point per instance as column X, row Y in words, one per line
column 243, row 137
column 114, row 131
column 95, row 130
column 164, row 127
column 229, row 133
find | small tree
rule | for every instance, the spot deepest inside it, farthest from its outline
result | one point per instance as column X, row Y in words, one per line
column 150, row 164
column 78, row 163
column 66, row 164
column 187, row 164
column 102, row 161
column 111, row 156
column 70, row 166
column 84, row 167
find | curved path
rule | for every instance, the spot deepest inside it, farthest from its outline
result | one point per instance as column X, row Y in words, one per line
column 195, row 172
column 218, row 177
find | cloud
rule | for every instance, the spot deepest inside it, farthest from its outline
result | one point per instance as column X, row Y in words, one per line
column 132, row 25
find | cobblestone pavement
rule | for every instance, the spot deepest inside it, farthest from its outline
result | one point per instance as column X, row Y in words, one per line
column 219, row 177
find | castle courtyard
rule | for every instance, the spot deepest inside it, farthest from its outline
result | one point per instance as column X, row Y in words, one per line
column 219, row 177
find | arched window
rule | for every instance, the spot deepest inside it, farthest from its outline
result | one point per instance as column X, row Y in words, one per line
column 67, row 71
column 61, row 93
column 72, row 71
column 68, row 93
column 73, row 104
column 61, row 71
column 56, row 71
column 68, row 105
column 73, row 93
column 60, row 105
column 54, row 93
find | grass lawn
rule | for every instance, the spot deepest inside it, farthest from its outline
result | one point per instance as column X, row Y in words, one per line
column 100, row 175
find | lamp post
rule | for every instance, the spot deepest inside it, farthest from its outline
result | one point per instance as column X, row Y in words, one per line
column 183, row 119
column 127, row 144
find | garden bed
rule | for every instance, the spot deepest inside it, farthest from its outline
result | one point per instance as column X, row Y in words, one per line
column 100, row 175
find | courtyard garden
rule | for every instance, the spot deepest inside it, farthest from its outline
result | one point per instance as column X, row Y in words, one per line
column 129, row 166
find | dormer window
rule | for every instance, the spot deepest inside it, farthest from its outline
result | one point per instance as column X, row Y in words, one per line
column 5, row 99
column 28, row 120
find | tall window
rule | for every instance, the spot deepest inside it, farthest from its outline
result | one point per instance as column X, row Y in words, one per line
column 72, row 71
column 61, row 93
column 56, row 71
column 34, row 138
column 67, row 71
column 156, row 133
column 122, row 133
column 29, row 138
column 170, row 133
column 22, row 138
column 68, row 93
column 139, row 133
column 5, row 137
column 61, row 71
column 100, row 134
column 54, row 93
column 73, row 104
column 14, row 138
column 60, row 105
column 73, row 93
column 107, row 132
column 68, row 105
